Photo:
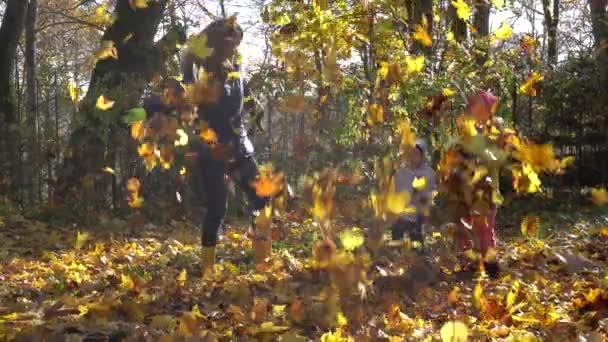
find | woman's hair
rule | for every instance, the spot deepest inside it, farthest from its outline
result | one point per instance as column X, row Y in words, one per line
column 217, row 30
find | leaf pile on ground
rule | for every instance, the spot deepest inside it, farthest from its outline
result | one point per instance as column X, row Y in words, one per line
column 117, row 283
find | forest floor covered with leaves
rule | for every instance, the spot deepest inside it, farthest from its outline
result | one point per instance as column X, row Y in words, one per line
column 125, row 280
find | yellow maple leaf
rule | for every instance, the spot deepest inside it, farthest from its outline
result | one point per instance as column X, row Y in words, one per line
column 525, row 179
column 133, row 184
column 397, row 202
column 540, row 157
column 421, row 34
column 463, row 11
column 108, row 170
column 504, row 32
column 419, row 183
column 454, row 331
column 351, row 239
column 414, row 64
column 74, row 91
column 448, row 92
column 530, row 225
column 408, row 137
column 103, row 103
column 376, row 114
column 182, row 277
column 197, row 44
column 148, row 153
column 81, row 238
column 566, row 162
column 182, row 139
column 107, row 50
column 450, row 36
column 207, row 134
column 599, row 196
column 135, row 4
column 136, row 202
column 529, row 87
column 137, row 130
column 268, row 184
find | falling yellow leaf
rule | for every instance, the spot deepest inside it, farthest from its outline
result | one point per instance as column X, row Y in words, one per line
column 376, row 114
column 207, row 134
column 268, row 184
column 448, row 92
column 197, row 45
column 454, row 331
column 108, row 170
column 422, row 35
column 182, row 139
column 566, row 162
column 137, row 4
column 463, row 11
column 599, row 196
column 530, row 225
column 414, row 64
column 136, row 202
column 74, row 91
column 351, row 239
column 525, row 179
column 133, row 185
column 539, row 157
column 419, row 183
column 107, row 50
column 182, row 277
column 529, row 88
column 504, row 32
column 450, row 36
column 137, row 130
column 103, row 103
column 408, row 137
column 81, row 238
column 397, row 202
column 182, row 171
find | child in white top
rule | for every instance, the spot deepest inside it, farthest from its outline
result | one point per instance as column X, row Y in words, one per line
column 416, row 170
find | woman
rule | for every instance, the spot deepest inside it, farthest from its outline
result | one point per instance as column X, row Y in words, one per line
column 229, row 151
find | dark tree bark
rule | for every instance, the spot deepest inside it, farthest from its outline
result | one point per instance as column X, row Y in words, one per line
column 30, row 161
column 10, row 33
column 599, row 20
column 551, row 21
column 481, row 20
column 459, row 26
column 122, row 80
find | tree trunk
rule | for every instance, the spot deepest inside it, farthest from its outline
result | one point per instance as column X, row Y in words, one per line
column 481, row 21
column 551, row 21
column 10, row 33
column 459, row 26
column 122, row 80
column 31, row 154
column 599, row 20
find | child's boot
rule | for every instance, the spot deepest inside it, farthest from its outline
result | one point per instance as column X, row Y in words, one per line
column 207, row 259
